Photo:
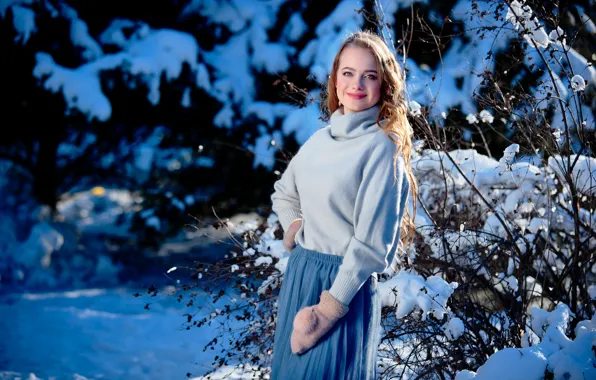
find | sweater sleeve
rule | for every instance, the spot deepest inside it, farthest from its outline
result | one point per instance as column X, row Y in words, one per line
column 285, row 199
column 378, row 211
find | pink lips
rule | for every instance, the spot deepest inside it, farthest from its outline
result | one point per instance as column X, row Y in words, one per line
column 356, row 96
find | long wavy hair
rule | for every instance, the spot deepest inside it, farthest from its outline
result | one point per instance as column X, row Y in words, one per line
column 393, row 111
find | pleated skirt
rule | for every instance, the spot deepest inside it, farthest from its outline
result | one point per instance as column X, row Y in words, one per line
column 349, row 349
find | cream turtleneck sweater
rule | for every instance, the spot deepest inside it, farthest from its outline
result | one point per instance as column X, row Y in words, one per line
column 341, row 184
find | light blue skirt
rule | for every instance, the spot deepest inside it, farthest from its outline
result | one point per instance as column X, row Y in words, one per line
column 349, row 349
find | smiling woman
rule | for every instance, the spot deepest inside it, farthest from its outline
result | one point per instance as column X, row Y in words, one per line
column 358, row 86
column 342, row 204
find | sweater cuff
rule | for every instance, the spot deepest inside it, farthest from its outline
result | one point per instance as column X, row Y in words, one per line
column 287, row 216
column 345, row 287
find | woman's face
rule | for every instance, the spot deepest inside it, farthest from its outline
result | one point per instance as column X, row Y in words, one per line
column 358, row 85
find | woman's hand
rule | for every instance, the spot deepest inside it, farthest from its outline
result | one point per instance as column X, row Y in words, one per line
column 289, row 243
column 312, row 323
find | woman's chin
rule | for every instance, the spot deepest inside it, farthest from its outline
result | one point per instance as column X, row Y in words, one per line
column 349, row 108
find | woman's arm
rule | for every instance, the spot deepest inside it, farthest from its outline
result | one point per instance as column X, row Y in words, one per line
column 286, row 200
column 378, row 211
column 377, row 217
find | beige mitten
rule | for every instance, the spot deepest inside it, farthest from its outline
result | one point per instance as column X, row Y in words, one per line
column 312, row 322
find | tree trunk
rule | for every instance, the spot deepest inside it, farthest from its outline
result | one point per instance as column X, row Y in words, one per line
column 45, row 183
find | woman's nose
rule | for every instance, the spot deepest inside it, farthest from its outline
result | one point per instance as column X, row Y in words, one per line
column 357, row 83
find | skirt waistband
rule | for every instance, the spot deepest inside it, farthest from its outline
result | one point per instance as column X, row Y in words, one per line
column 300, row 251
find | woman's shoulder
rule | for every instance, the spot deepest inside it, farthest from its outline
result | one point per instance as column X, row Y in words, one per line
column 313, row 142
column 318, row 135
column 382, row 143
column 382, row 147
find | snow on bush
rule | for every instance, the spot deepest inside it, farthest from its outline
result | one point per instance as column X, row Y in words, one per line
column 410, row 291
column 547, row 349
column 528, row 199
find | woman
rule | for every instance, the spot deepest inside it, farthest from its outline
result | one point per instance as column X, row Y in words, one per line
column 342, row 198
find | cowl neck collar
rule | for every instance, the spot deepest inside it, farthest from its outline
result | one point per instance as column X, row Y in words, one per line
column 354, row 124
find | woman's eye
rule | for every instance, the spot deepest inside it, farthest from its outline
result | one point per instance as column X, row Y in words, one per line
column 367, row 76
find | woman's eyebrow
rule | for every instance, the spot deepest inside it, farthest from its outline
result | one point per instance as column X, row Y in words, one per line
column 366, row 71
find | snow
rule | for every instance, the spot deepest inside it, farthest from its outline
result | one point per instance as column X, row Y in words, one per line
column 264, row 148
column 319, row 53
column 509, row 155
column 304, row 122
column 583, row 173
column 576, row 67
column 271, row 57
column 520, row 15
column 551, row 349
column 267, row 112
column 557, row 36
column 387, row 10
column 225, row 116
column 415, row 108
column 592, row 292
column 439, row 86
column 38, row 248
column 226, row 71
column 235, row 14
column 524, row 195
column 472, row 119
column 148, row 155
column 147, row 53
column 24, row 23
column 233, row 65
column 580, row 66
column 443, row 90
column 98, row 333
column 186, row 102
column 114, row 33
column 153, row 221
column 486, row 117
column 586, row 20
column 266, row 261
column 233, row 80
column 5, row 4
column 410, row 291
column 99, row 210
column 578, row 83
column 233, row 372
column 203, row 80
column 115, row 336
column 81, row 87
column 509, row 364
column 79, row 34
column 295, row 27
column 454, row 328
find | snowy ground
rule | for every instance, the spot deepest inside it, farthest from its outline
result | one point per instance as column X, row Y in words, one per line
column 97, row 334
